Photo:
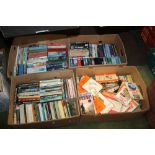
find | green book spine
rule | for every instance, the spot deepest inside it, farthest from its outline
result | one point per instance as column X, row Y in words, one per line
column 57, row 109
column 52, row 108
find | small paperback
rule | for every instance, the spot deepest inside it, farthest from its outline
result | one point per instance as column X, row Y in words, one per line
column 123, row 95
column 92, row 86
column 87, row 104
column 134, row 91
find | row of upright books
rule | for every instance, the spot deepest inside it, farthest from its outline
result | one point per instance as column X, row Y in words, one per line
column 44, row 101
column 85, row 54
column 54, row 56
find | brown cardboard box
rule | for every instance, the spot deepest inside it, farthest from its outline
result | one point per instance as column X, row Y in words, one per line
column 37, row 77
column 31, row 40
column 119, row 70
column 109, row 38
column 46, row 39
column 91, row 70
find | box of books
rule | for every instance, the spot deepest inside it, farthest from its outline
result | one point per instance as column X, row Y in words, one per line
column 111, row 93
column 42, row 53
column 96, row 50
column 37, row 53
column 43, row 100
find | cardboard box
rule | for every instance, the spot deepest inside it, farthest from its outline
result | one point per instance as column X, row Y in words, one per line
column 31, row 40
column 37, row 77
column 91, row 70
column 46, row 39
column 110, row 38
column 119, row 70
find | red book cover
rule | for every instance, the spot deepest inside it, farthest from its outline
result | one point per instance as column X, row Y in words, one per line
column 57, row 50
column 79, row 61
column 36, row 55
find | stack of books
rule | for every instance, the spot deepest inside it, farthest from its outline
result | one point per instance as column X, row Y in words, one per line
column 57, row 57
column 44, row 101
column 40, row 58
column 36, row 59
column 85, row 54
column 108, row 93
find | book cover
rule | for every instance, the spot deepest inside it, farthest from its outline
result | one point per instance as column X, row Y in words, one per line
column 123, row 95
column 52, row 110
column 92, row 86
column 57, row 109
column 134, row 91
column 87, row 104
column 22, row 114
column 61, row 109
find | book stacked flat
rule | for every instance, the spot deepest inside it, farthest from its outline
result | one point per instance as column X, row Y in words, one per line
column 108, row 93
column 84, row 54
column 40, row 58
column 44, row 101
column 57, row 57
column 37, row 59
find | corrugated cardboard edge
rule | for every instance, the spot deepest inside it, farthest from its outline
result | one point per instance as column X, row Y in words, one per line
column 29, row 40
column 38, row 39
column 36, row 77
column 117, row 116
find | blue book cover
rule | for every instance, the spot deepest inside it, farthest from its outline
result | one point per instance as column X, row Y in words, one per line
column 37, row 48
column 20, row 69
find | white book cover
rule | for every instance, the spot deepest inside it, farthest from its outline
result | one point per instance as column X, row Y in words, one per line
column 71, row 88
column 123, row 95
column 134, row 91
column 22, row 114
column 31, row 113
column 107, row 103
column 28, row 113
column 116, row 105
column 92, row 86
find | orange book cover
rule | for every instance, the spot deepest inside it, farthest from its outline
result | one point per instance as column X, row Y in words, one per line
column 83, row 80
column 109, row 95
column 99, row 104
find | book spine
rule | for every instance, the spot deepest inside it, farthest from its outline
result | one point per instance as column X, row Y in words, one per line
column 44, row 112
column 41, row 112
column 22, row 114
column 57, row 109
column 61, row 110
column 52, row 110
column 65, row 110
